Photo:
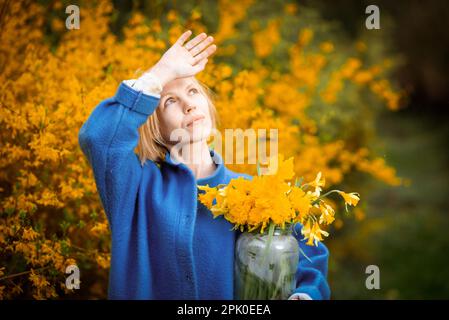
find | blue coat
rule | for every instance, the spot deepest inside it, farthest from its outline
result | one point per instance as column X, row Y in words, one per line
column 165, row 244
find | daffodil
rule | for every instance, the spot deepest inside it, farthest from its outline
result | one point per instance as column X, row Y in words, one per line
column 350, row 198
column 327, row 214
column 317, row 184
column 313, row 234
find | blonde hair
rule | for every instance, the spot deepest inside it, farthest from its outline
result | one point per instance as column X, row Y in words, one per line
column 151, row 145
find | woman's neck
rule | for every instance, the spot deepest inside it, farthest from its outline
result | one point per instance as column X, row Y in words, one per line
column 197, row 157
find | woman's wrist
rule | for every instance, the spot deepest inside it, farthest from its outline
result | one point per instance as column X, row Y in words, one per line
column 149, row 83
column 162, row 73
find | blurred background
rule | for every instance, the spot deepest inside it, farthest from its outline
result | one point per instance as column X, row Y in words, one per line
column 403, row 231
column 368, row 108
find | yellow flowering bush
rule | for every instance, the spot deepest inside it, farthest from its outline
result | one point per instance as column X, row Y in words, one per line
column 286, row 75
column 271, row 199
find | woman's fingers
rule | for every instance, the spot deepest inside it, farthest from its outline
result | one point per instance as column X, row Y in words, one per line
column 200, row 66
column 192, row 43
column 206, row 53
column 201, row 46
column 183, row 37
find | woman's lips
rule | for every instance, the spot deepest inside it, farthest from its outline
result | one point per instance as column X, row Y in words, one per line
column 196, row 121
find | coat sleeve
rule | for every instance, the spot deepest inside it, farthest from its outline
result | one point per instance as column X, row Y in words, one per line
column 108, row 139
column 312, row 275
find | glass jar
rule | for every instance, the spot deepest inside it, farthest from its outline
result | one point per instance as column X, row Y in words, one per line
column 266, row 270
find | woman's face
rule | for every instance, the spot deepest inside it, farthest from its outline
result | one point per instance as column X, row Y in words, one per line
column 181, row 103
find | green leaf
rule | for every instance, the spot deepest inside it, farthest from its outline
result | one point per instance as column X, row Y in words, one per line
column 64, row 226
column 22, row 214
column 94, row 215
column 81, row 224
column 65, row 248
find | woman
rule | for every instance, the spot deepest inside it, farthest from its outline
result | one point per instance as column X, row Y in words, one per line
column 166, row 245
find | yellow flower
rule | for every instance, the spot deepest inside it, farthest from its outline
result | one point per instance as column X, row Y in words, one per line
column 305, row 36
column 280, row 168
column 291, row 8
column 327, row 46
column 318, row 183
column 29, row 234
column 350, row 198
column 104, row 261
column 208, row 197
column 264, row 41
column 99, row 229
column 327, row 214
column 38, row 280
column 300, row 201
column 172, row 16
column 313, row 233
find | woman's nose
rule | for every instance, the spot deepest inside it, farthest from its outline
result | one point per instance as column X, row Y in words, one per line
column 189, row 108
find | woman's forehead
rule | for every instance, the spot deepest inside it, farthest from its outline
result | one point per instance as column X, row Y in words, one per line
column 178, row 84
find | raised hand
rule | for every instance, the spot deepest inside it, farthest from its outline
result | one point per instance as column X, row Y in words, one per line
column 184, row 59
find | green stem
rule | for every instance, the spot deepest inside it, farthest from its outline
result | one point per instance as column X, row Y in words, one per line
column 270, row 238
column 323, row 196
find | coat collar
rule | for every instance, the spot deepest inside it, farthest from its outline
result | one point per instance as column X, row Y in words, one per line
column 216, row 178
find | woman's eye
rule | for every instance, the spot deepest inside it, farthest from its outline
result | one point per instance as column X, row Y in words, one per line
column 194, row 90
column 169, row 100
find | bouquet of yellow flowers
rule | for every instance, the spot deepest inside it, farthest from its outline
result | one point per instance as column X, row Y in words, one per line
column 270, row 201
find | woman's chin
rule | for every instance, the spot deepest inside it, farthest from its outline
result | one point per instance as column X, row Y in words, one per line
column 199, row 136
column 198, row 132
